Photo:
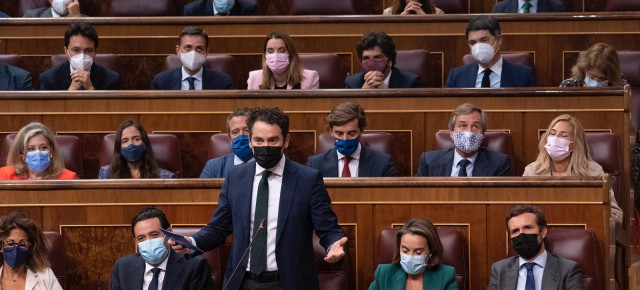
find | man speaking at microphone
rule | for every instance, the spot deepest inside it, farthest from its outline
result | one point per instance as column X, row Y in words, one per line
column 278, row 203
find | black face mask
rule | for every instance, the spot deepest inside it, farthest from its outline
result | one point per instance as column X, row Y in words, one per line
column 267, row 156
column 526, row 245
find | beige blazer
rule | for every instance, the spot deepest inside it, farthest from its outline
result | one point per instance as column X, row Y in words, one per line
column 594, row 170
column 45, row 280
column 310, row 80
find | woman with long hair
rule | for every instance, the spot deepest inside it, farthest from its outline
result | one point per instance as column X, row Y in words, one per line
column 599, row 66
column 412, row 7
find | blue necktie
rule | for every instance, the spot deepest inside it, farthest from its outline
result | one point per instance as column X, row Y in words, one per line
column 463, row 167
column 192, row 83
column 154, row 282
column 531, row 282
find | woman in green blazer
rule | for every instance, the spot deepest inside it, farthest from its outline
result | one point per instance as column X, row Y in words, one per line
column 416, row 262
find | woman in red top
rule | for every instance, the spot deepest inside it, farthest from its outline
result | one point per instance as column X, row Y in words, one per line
column 35, row 155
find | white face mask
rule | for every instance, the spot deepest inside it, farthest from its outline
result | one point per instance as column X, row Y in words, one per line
column 482, row 52
column 60, row 6
column 192, row 60
column 81, row 61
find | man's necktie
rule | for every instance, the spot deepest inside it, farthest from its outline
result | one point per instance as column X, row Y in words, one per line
column 345, row 170
column 526, row 7
column 463, row 167
column 486, row 82
column 259, row 247
column 154, row 282
column 531, row 282
column 192, row 83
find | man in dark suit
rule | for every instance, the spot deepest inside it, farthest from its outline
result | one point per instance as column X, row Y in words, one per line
column 221, row 8
column 80, row 72
column 533, row 267
column 377, row 55
column 14, row 78
column 490, row 70
column 467, row 125
column 156, row 266
column 192, row 47
column 349, row 158
column 59, row 8
column 527, row 6
column 277, row 203
column 239, row 137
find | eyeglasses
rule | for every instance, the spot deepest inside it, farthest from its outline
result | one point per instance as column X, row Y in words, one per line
column 597, row 79
column 24, row 245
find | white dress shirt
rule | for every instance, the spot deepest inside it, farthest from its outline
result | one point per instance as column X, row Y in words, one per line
column 532, row 9
column 456, row 168
column 538, row 270
column 354, row 163
column 494, row 77
column 148, row 274
column 184, row 85
column 386, row 80
column 275, row 186
column 55, row 15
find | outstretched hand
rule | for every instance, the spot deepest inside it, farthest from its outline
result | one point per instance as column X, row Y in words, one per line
column 337, row 251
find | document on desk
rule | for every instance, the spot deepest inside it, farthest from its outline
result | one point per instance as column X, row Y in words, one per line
column 181, row 240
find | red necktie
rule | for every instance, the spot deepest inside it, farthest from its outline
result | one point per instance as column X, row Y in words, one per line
column 345, row 170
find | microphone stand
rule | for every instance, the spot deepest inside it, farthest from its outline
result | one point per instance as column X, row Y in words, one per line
column 253, row 239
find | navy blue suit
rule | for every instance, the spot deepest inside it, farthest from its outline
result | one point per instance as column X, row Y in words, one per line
column 218, row 167
column 371, row 164
column 511, row 6
column 172, row 80
column 14, row 78
column 205, row 8
column 181, row 273
column 305, row 206
column 513, row 75
column 58, row 78
column 399, row 79
column 488, row 163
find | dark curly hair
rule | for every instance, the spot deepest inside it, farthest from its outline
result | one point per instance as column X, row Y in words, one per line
column 372, row 39
column 83, row 29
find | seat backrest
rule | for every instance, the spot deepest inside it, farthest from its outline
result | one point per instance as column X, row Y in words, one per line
column 57, row 256
column 332, row 276
column 217, row 258
column 581, row 247
column 70, row 147
column 328, row 67
column 604, row 149
column 219, row 145
column 109, row 60
column 142, row 8
column 454, row 246
column 12, row 59
column 500, row 141
column 25, row 5
column 326, row 7
column 378, row 141
column 417, row 61
column 519, row 58
column 622, row 5
column 453, row 6
column 166, row 150
column 630, row 66
column 223, row 63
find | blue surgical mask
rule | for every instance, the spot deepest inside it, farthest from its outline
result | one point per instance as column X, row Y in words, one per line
column 15, row 256
column 223, row 6
column 467, row 142
column 38, row 161
column 241, row 147
column 153, row 251
column 588, row 82
column 346, row 147
column 133, row 153
column 413, row 264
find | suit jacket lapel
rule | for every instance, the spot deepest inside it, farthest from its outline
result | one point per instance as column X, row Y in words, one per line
column 394, row 80
column 228, row 160
column 514, row 6
column 135, row 275
column 434, row 278
column 364, row 166
column 506, row 78
column 330, row 164
column 207, row 82
column 64, row 78
column 444, row 164
column 480, row 167
column 287, row 192
column 174, row 270
column 470, row 78
column 399, row 279
column 509, row 278
column 550, row 274
column 244, row 193
column 176, row 79
column 209, row 8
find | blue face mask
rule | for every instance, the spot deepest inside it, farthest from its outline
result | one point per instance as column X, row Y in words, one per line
column 241, row 147
column 223, row 6
column 588, row 82
column 38, row 161
column 153, row 251
column 346, row 147
column 413, row 264
column 15, row 256
column 133, row 153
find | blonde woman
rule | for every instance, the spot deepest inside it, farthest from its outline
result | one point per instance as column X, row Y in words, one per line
column 599, row 66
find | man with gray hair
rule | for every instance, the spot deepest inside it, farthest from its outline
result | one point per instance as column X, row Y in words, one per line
column 467, row 125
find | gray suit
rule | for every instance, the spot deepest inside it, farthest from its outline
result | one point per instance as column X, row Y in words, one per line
column 43, row 12
column 559, row 273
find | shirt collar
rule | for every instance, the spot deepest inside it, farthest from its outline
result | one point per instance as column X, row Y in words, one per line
column 386, row 80
column 495, row 68
column 197, row 75
column 540, row 260
column 162, row 265
column 534, row 3
column 277, row 170
column 354, row 155
column 237, row 160
column 54, row 14
column 457, row 157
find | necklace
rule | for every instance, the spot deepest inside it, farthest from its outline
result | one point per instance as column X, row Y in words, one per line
column 12, row 278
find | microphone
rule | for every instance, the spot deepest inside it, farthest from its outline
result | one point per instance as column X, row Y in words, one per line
column 260, row 228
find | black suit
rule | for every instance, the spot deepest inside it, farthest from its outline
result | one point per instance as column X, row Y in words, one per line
column 172, row 80
column 14, row 78
column 399, row 79
column 58, row 78
column 371, row 164
column 205, row 8
column 194, row 273
column 488, row 163
column 511, row 6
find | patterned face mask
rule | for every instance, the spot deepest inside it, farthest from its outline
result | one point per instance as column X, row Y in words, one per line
column 467, row 142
